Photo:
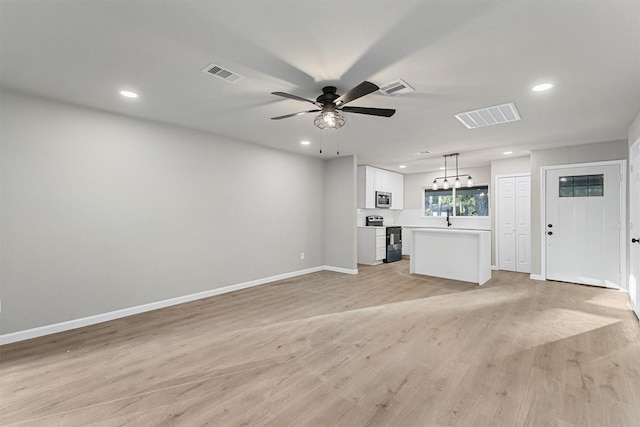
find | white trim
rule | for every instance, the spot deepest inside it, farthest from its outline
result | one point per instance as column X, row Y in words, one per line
column 494, row 267
column 340, row 269
column 117, row 314
column 537, row 277
column 636, row 309
column 622, row 164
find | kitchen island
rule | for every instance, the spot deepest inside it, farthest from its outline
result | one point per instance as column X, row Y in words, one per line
column 451, row 254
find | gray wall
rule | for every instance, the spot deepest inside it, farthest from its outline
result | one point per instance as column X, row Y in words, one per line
column 615, row 150
column 101, row 212
column 340, row 236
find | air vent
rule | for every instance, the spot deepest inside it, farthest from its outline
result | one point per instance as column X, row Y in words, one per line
column 226, row 75
column 489, row 116
column 396, row 87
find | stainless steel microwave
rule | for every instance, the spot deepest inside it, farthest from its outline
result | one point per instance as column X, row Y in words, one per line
column 383, row 199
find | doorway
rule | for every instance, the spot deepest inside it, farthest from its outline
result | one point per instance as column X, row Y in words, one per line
column 584, row 223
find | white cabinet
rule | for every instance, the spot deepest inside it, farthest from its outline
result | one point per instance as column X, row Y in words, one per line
column 366, row 187
column 452, row 254
column 372, row 245
column 372, row 179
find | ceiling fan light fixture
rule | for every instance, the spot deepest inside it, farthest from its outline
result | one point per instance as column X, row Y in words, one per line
column 329, row 120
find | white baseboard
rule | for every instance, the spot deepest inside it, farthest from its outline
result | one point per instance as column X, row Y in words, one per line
column 112, row 315
column 494, row 267
column 340, row 270
column 537, row 277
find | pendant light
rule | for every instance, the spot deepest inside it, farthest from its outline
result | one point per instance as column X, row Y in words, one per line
column 456, row 183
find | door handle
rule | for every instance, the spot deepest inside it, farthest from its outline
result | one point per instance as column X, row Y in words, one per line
column 550, row 233
column 635, row 240
column 549, row 225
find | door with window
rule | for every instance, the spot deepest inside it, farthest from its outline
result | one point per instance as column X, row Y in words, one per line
column 583, row 224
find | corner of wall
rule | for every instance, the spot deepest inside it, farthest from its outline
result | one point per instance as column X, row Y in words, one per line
column 340, row 236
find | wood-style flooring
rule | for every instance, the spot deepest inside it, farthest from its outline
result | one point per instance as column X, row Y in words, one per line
column 382, row 348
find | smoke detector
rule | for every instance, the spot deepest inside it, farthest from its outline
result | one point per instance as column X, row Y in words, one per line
column 224, row 74
column 488, row 116
column 396, row 87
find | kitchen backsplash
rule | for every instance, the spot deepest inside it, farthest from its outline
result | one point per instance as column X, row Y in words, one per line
column 388, row 215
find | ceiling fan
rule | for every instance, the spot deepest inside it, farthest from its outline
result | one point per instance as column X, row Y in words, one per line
column 331, row 104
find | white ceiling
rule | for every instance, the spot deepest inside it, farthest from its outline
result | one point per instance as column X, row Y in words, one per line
column 458, row 55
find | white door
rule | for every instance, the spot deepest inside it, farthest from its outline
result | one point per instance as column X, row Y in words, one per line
column 583, row 224
column 634, row 256
column 514, row 225
column 507, row 224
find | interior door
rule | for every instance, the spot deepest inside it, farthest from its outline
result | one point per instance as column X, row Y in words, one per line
column 514, row 223
column 507, row 223
column 634, row 209
column 523, row 224
column 583, row 221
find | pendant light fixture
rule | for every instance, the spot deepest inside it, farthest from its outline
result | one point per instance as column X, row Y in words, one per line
column 456, row 182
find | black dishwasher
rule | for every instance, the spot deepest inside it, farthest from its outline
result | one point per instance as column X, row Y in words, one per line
column 394, row 244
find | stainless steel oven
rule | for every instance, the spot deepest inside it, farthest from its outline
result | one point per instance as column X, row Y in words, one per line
column 394, row 244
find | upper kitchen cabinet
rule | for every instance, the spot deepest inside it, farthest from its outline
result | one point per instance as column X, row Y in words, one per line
column 372, row 179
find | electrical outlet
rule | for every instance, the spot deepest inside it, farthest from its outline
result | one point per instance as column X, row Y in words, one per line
column 301, row 255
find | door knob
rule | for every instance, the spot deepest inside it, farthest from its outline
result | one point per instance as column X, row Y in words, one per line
column 635, row 240
column 549, row 225
column 550, row 233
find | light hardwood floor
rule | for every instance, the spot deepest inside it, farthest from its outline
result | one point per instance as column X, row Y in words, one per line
column 382, row 348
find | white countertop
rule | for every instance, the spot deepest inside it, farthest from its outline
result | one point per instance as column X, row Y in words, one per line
column 448, row 230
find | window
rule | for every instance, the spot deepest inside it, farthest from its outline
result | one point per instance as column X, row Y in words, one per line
column 582, row 186
column 472, row 201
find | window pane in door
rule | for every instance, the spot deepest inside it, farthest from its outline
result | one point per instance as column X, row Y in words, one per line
column 580, row 191
column 581, row 186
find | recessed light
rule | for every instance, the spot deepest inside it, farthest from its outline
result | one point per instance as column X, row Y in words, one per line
column 441, row 168
column 128, row 94
column 402, row 166
column 305, row 142
column 507, row 152
column 542, row 87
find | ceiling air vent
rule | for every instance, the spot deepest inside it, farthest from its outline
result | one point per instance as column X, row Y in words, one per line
column 396, row 87
column 220, row 72
column 489, row 116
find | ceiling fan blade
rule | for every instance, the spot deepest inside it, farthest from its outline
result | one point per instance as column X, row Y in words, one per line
column 383, row 112
column 297, row 98
column 286, row 116
column 364, row 88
